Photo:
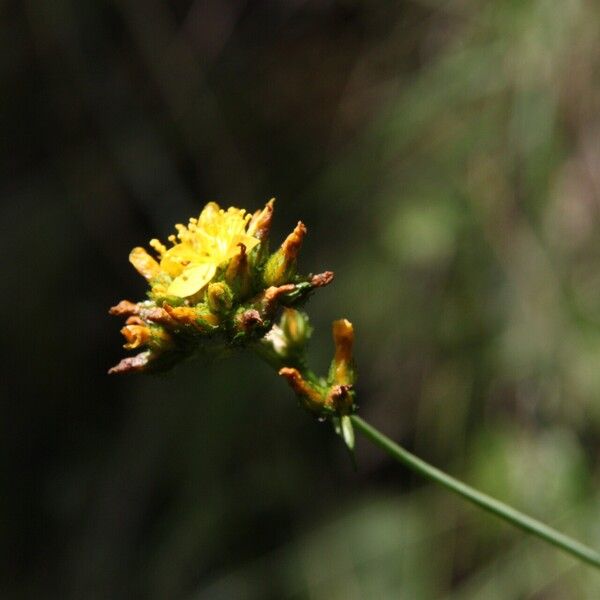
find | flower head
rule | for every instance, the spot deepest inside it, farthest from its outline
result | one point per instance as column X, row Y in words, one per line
column 215, row 287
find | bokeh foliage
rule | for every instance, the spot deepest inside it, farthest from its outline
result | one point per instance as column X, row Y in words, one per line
column 445, row 157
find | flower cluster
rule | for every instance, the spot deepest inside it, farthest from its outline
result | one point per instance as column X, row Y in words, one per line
column 285, row 347
column 217, row 286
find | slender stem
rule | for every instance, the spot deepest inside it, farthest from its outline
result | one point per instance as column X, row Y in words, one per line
column 509, row 514
column 491, row 505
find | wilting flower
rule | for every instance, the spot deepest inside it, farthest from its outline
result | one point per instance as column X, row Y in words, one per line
column 216, row 287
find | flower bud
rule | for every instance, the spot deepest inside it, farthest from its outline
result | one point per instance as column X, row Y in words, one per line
column 206, row 320
column 295, row 327
column 219, row 297
column 125, row 308
column 268, row 301
column 247, row 321
column 342, row 367
column 198, row 317
column 238, row 275
column 183, row 315
column 160, row 339
column 310, row 395
column 281, row 266
column 260, row 225
column 135, row 336
column 132, row 364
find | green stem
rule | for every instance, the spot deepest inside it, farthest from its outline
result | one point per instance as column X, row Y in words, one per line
column 509, row 514
column 491, row 505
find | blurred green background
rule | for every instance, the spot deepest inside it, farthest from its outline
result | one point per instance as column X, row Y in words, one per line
column 445, row 156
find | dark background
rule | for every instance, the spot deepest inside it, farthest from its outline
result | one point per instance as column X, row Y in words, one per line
column 445, row 157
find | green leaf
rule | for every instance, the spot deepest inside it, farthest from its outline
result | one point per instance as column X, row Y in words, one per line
column 347, row 432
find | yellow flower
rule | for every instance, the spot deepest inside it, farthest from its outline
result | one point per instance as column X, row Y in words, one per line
column 198, row 249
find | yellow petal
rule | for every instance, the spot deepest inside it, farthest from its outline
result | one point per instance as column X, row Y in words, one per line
column 209, row 213
column 144, row 264
column 248, row 241
column 192, row 280
column 176, row 259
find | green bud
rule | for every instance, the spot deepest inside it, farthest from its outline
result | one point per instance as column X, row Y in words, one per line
column 160, row 339
column 281, row 265
column 219, row 297
column 296, row 327
column 237, row 274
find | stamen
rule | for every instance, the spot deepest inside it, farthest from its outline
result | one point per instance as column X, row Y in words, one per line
column 158, row 246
